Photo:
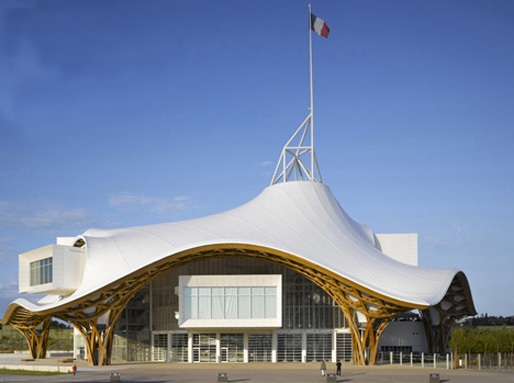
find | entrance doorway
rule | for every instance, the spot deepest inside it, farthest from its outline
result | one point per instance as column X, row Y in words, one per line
column 232, row 347
column 204, row 347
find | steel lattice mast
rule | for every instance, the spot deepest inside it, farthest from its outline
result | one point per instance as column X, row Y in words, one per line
column 291, row 166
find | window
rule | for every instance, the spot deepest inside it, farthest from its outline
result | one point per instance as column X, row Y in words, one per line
column 204, row 347
column 160, row 347
column 41, row 272
column 319, row 347
column 259, row 347
column 230, row 302
column 344, row 347
column 289, row 347
column 179, row 347
column 232, row 347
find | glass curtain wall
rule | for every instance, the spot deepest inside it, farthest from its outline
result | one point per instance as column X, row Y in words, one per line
column 289, row 347
column 160, row 347
column 204, row 347
column 232, row 347
column 319, row 347
column 132, row 332
column 344, row 347
column 178, row 347
column 259, row 347
column 304, row 304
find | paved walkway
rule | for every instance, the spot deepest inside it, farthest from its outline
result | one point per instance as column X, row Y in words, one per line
column 257, row 373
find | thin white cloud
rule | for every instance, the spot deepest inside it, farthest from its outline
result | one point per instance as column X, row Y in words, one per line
column 266, row 163
column 132, row 201
column 16, row 215
column 9, row 288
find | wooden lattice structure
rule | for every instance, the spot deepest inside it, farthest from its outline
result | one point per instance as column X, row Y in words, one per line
column 439, row 319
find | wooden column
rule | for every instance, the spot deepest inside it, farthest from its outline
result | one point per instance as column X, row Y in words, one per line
column 98, row 337
column 36, row 337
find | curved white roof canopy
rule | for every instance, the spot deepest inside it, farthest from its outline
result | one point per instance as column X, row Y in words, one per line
column 300, row 218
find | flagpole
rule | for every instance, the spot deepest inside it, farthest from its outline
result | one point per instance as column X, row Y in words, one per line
column 312, row 94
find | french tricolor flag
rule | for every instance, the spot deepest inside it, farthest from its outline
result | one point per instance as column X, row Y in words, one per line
column 319, row 26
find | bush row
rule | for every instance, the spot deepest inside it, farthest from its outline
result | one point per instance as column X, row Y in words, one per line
column 465, row 340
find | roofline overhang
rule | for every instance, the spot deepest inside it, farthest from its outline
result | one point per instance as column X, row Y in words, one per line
column 159, row 267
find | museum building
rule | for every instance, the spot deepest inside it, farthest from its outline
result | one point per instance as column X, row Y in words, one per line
column 286, row 277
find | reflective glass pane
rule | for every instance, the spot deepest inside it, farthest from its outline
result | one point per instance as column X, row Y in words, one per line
column 204, row 307
column 243, row 307
column 257, row 290
column 230, row 306
column 257, row 306
column 217, row 307
column 271, row 307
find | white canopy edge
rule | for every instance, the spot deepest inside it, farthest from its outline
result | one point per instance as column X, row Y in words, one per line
column 300, row 218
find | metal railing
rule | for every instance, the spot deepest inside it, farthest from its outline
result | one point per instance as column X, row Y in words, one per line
column 447, row 361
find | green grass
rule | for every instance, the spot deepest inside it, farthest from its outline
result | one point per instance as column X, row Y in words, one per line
column 5, row 371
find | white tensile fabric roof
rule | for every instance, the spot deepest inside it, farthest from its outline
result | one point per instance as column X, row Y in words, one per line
column 301, row 218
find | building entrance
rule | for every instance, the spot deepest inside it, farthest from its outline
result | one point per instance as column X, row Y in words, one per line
column 204, row 347
column 260, row 347
column 232, row 347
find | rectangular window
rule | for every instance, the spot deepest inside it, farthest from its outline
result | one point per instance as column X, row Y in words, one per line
column 243, row 302
column 289, row 347
column 259, row 347
column 160, row 347
column 230, row 302
column 204, row 302
column 319, row 347
column 232, row 347
column 179, row 347
column 270, row 301
column 41, row 271
column 217, row 303
column 344, row 347
column 204, row 347
column 257, row 305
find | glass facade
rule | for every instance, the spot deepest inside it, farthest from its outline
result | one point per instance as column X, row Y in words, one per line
column 132, row 341
column 160, row 347
column 289, row 347
column 148, row 327
column 41, row 271
column 179, row 348
column 204, row 347
column 304, row 304
column 232, row 347
column 319, row 347
column 260, row 347
column 344, row 347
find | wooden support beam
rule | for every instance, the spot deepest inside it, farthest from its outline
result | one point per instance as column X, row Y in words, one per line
column 36, row 337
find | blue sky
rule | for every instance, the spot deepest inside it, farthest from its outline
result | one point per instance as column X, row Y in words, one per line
column 124, row 113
